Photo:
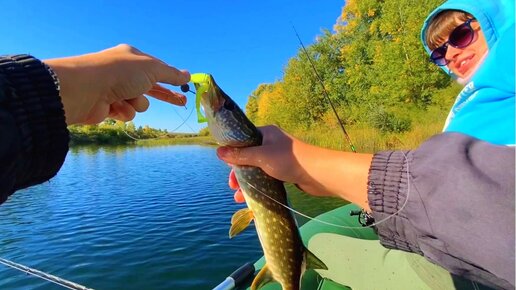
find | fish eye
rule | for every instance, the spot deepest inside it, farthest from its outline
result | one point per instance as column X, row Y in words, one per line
column 229, row 105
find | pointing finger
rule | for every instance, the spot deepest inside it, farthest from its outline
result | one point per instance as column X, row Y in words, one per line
column 167, row 95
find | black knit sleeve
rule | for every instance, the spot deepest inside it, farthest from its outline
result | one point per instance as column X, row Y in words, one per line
column 451, row 200
column 32, row 124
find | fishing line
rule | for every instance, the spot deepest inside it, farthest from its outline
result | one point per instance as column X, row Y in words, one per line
column 341, row 226
column 179, row 126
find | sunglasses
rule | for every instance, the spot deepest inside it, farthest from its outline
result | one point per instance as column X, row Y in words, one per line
column 460, row 37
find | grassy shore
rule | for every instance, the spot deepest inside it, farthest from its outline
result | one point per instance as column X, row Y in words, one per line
column 365, row 138
column 195, row 140
column 368, row 140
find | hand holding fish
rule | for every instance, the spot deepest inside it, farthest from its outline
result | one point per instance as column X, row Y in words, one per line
column 112, row 83
column 317, row 171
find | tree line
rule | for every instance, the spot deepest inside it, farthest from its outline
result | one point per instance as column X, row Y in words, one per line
column 374, row 69
column 115, row 132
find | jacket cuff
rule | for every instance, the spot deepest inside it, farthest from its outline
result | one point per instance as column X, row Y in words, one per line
column 32, row 92
column 387, row 194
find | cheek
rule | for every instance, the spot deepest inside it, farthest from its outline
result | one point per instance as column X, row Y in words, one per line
column 483, row 49
column 479, row 51
column 480, row 46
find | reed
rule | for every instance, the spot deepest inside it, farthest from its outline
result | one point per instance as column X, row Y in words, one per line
column 194, row 140
column 368, row 139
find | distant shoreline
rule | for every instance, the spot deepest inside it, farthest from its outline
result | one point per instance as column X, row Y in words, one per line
column 160, row 141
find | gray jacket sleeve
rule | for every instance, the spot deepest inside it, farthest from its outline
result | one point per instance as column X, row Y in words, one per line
column 451, row 200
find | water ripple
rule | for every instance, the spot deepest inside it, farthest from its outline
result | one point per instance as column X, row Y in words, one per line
column 133, row 218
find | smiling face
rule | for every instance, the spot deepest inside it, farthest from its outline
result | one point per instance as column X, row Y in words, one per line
column 464, row 61
column 450, row 28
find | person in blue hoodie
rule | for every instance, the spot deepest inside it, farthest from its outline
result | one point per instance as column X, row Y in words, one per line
column 474, row 43
column 452, row 199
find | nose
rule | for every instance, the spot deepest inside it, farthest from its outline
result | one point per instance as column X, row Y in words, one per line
column 452, row 53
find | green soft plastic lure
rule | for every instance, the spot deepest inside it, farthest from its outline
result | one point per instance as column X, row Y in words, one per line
column 202, row 83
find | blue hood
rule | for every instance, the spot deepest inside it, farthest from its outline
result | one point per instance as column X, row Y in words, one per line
column 485, row 108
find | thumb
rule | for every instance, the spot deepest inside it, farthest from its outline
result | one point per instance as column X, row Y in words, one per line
column 239, row 156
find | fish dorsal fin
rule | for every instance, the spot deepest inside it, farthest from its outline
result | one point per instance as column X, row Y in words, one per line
column 240, row 221
column 312, row 262
column 263, row 277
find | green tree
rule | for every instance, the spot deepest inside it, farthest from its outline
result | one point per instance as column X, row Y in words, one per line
column 131, row 127
column 109, row 121
column 374, row 68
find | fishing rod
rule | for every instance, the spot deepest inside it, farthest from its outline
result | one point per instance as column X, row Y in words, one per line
column 325, row 92
column 45, row 276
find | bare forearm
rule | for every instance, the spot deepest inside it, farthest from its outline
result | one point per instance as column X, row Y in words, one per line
column 68, row 71
column 335, row 173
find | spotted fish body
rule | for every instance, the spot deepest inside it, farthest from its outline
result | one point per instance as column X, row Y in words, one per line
column 284, row 252
column 276, row 228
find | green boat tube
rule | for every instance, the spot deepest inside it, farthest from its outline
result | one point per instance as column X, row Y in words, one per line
column 356, row 260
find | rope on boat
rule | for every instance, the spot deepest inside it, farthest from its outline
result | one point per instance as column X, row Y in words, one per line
column 51, row 278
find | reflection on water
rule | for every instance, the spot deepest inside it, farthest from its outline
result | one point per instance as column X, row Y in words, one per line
column 129, row 217
column 93, row 149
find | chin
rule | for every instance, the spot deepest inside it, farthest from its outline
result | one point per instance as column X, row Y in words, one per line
column 463, row 79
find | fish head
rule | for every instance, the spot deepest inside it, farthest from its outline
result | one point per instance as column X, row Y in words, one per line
column 226, row 121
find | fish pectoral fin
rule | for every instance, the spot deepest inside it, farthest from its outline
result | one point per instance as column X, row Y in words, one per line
column 240, row 221
column 312, row 262
column 263, row 277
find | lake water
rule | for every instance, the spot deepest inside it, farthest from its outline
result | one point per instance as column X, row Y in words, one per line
column 129, row 218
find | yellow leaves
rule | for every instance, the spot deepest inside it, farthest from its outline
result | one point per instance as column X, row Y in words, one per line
column 269, row 101
column 345, row 50
column 350, row 28
column 346, row 21
column 375, row 90
column 371, row 12
column 351, row 6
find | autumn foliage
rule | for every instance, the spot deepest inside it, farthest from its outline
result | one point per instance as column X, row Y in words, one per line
column 374, row 68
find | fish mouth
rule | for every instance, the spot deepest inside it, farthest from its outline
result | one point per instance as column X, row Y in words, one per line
column 214, row 98
column 208, row 93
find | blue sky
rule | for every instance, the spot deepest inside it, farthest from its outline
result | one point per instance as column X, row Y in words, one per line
column 241, row 43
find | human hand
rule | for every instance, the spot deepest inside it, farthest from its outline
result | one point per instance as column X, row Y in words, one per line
column 112, row 83
column 315, row 170
column 233, row 184
column 280, row 156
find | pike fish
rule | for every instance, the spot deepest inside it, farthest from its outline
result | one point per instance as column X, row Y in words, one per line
column 285, row 255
